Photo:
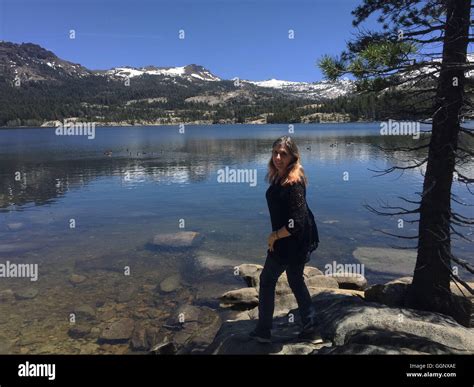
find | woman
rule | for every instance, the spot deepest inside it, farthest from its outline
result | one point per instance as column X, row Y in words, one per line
column 294, row 236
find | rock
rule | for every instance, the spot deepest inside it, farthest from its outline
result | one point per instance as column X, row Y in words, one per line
column 95, row 332
column 139, row 340
column 145, row 338
column 5, row 346
column 99, row 303
column 250, row 273
column 171, row 283
column 284, row 303
column 245, row 297
column 211, row 261
column 77, row 279
column 126, row 295
column 316, row 281
column 106, row 263
column 165, row 348
column 193, row 328
column 15, row 226
column 321, row 281
column 108, row 314
column 343, row 317
column 207, row 290
column 30, row 339
column 387, row 260
column 310, row 271
column 350, row 281
column 392, row 293
column 26, row 294
column 365, row 349
column 12, row 248
column 89, row 349
column 335, row 292
column 7, row 295
column 79, row 331
column 233, row 339
column 117, row 332
column 84, row 313
column 181, row 239
column 401, row 342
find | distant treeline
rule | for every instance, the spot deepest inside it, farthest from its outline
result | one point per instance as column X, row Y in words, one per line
column 98, row 99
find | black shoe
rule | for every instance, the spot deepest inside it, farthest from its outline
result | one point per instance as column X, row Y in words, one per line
column 264, row 338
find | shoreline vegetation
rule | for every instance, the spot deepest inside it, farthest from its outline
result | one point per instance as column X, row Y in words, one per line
column 56, row 123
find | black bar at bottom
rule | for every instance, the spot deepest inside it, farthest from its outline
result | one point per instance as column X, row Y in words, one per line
column 139, row 370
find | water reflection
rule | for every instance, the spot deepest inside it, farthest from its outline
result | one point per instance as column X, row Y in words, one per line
column 40, row 175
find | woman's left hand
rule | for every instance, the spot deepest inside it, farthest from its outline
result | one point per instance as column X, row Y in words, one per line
column 271, row 240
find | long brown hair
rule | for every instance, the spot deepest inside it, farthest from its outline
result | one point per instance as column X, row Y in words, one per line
column 294, row 172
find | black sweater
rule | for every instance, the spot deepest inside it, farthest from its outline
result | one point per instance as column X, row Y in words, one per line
column 288, row 207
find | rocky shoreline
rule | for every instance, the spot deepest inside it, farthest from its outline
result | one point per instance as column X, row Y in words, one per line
column 319, row 118
column 91, row 308
column 350, row 322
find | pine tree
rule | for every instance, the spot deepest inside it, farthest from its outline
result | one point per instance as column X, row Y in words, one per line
column 406, row 57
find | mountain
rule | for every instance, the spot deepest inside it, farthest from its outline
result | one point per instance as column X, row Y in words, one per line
column 32, row 63
column 320, row 90
column 37, row 87
column 189, row 72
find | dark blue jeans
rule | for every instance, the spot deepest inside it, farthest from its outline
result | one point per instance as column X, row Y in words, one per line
column 268, row 279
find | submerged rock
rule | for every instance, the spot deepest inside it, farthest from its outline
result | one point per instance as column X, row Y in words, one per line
column 84, row 313
column 79, row 331
column 126, row 294
column 171, row 283
column 7, row 295
column 77, row 279
column 15, row 226
column 192, row 328
column 386, row 260
column 26, row 293
column 117, row 332
column 211, row 261
column 181, row 239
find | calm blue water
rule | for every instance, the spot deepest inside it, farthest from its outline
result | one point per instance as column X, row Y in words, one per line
column 156, row 176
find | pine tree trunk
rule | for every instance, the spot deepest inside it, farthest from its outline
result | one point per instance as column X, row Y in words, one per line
column 430, row 289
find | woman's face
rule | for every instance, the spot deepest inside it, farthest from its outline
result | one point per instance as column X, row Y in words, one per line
column 281, row 158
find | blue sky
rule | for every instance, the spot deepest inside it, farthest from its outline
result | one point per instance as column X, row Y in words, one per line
column 246, row 39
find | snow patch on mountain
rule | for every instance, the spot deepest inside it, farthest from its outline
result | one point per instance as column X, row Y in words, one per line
column 322, row 89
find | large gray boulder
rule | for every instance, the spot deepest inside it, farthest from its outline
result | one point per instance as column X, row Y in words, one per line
column 191, row 329
column 245, row 298
column 344, row 317
column 392, row 293
column 233, row 339
column 350, row 281
column 251, row 275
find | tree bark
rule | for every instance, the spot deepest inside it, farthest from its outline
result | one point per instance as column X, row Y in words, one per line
column 430, row 289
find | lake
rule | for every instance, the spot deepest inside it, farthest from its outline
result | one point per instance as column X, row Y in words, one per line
column 85, row 211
